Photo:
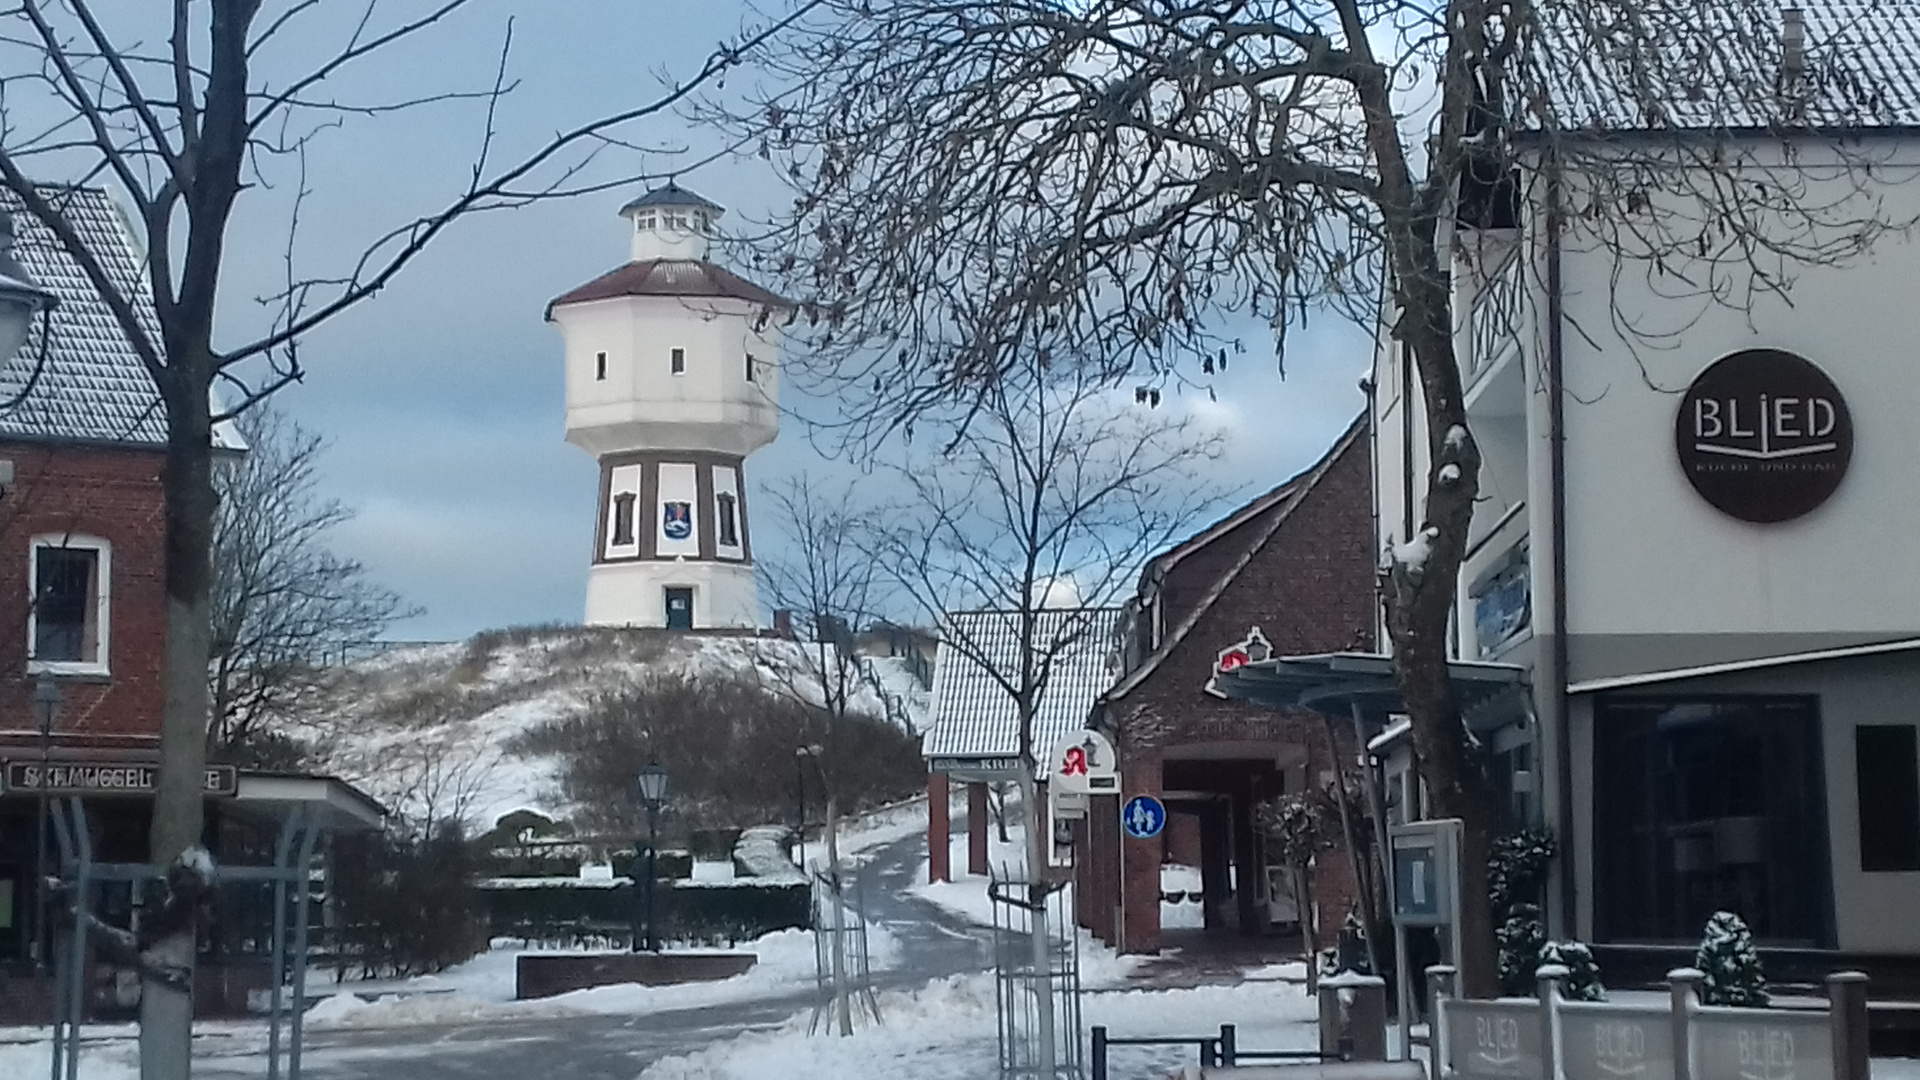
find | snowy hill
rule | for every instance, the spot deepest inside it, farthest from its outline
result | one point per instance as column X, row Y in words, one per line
column 424, row 728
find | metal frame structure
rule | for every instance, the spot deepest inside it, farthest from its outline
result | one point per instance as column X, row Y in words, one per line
column 292, row 865
column 851, row 940
column 1018, row 986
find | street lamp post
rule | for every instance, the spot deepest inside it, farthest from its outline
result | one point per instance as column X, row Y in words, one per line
column 46, row 709
column 653, row 793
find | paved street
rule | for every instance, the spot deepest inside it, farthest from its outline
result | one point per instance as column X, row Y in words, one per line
column 933, row 944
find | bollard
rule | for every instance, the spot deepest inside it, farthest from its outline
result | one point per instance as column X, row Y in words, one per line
column 1230, row 1050
column 1847, row 1007
column 1098, row 1057
column 1353, row 1017
column 1441, row 985
column 1548, row 978
column 1684, row 985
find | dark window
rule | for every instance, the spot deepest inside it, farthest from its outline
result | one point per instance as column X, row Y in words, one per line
column 679, row 361
column 66, row 607
column 729, row 523
column 600, row 366
column 623, row 518
column 1888, row 766
column 679, row 608
column 1705, row 805
column 750, row 376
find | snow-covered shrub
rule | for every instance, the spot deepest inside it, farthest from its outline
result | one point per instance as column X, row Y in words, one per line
column 1519, row 940
column 1583, row 975
column 1731, row 963
column 1518, row 869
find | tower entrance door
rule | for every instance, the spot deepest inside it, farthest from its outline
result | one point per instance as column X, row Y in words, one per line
column 679, row 608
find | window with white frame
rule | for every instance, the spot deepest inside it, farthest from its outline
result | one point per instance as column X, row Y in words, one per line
column 675, row 220
column 68, row 618
column 750, row 366
column 643, row 220
column 677, row 361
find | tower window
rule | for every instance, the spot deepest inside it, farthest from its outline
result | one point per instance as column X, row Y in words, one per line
column 623, row 518
column 643, row 220
column 729, row 524
column 600, row 367
column 678, row 360
column 675, row 220
column 750, row 364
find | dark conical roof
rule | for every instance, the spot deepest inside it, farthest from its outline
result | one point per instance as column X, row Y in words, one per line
column 673, row 195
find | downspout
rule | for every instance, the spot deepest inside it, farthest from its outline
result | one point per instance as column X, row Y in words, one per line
column 1557, row 462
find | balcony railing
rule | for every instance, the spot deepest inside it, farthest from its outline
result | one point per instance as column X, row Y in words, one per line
column 1495, row 319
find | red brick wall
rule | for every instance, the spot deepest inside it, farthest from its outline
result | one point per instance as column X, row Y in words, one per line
column 1310, row 589
column 115, row 495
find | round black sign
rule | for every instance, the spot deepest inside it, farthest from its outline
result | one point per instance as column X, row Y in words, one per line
column 1764, row 435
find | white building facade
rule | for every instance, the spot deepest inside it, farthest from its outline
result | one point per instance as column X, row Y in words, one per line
column 672, row 374
column 1698, row 538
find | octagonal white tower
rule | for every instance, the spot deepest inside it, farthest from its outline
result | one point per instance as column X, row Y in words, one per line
column 673, row 369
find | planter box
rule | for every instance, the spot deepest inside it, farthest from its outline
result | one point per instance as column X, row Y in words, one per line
column 539, row 975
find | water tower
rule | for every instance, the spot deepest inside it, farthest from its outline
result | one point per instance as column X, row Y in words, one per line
column 673, row 369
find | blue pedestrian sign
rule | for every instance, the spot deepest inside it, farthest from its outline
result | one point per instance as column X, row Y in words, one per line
column 1143, row 817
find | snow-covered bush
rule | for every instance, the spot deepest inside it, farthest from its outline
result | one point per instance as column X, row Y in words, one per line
column 1583, row 975
column 1731, row 963
column 1518, row 869
column 1519, row 940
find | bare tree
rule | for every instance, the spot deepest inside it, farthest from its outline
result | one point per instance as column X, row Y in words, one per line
column 1036, row 509
column 826, row 578
column 180, row 112
column 1125, row 177
column 284, row 606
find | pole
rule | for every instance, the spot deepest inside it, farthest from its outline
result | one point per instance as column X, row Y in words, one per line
column 41, row 935
column 800, row 829
column 653, row 842
column 641, row 852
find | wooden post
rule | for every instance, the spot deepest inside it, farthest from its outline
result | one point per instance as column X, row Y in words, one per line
column 1098, row 1058
column 1684, row 986
column 937, row 848
column 1847, row 1005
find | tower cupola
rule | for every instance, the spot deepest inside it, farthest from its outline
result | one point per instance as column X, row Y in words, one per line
column 671, row 223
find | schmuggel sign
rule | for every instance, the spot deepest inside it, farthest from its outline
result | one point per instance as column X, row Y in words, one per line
column 115, row 778
column 1764, row 435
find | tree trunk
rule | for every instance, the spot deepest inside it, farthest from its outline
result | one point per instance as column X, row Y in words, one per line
column 1303, row 909
column 166, row 1013
column 842, row 1003
column 1044, row 1062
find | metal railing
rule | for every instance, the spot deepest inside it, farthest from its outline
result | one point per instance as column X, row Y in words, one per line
column 1222, row 1051
column 1494, row 319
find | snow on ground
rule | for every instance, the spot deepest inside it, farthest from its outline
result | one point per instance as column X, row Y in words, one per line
column 946, row 1031
column 482, row 988
column 966, row 896
column 860, row 834
column 438, row 714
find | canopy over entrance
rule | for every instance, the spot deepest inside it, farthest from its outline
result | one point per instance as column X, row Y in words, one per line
column 1361, row 685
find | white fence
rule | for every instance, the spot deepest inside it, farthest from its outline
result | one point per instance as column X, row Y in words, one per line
column 1555, row 1039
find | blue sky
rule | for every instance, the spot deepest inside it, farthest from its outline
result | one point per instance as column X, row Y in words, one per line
column 443, row 397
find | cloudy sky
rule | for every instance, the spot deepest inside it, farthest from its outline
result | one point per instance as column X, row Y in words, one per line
column 443, row 397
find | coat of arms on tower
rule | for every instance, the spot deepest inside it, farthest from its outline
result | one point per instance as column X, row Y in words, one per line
column 676, row 520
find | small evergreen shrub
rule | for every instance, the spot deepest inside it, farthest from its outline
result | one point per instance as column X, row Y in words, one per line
column 1731, row 963
column 1583, row 975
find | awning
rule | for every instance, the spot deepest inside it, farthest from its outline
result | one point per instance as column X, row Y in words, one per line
column 1338, row 684
column 333, row 804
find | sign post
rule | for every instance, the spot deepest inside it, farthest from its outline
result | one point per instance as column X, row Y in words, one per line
column 1424, row 889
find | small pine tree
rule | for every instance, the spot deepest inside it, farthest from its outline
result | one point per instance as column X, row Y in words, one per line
column 1583, row 975
column 1731, row 963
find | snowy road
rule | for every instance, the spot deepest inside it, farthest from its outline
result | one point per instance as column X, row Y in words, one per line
column 933, row 944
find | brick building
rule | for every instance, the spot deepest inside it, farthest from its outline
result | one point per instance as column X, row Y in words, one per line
column 83, row 618
column 1296, row 565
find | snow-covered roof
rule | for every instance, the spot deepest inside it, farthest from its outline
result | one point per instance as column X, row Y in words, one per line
column 973, row 714
column 1629, row 65
column 93, row 386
